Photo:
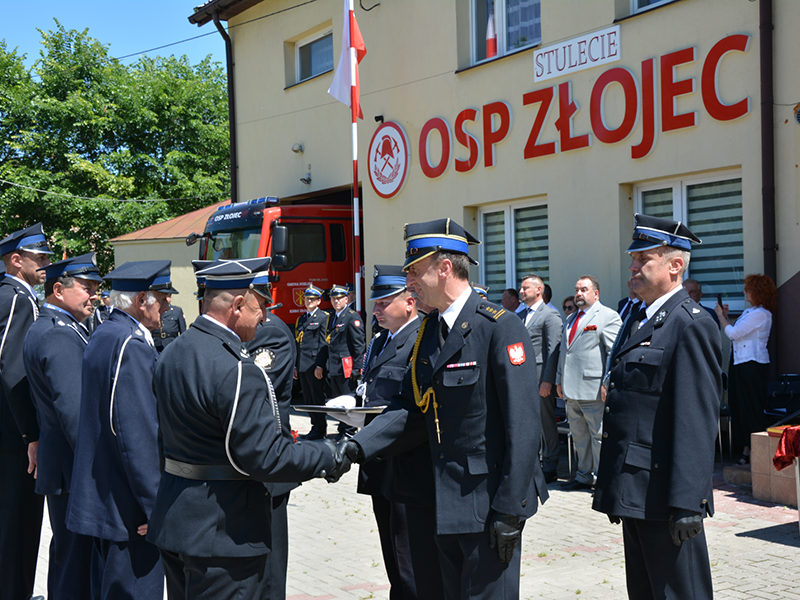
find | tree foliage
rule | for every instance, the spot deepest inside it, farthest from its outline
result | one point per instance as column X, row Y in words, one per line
column 81, row 123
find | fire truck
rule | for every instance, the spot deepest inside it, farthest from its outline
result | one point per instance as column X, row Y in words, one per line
column 308, row 243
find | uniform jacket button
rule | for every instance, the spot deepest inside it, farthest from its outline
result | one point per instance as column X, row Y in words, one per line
column 605, row 434
column 616, row 361
column 607, row 409
column 611, row 386
column 655, row 466
column 441, row 454
column 524, row 503
column 436, row 381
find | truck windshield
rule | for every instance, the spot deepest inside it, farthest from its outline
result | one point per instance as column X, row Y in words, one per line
column 239, row 243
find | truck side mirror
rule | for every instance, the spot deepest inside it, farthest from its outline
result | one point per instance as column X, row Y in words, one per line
column 280, row 240
column 278, row 261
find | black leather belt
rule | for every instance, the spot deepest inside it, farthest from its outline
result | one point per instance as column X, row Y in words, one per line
column 202, row 472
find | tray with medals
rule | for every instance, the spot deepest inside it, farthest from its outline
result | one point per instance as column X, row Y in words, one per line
column 338, row 410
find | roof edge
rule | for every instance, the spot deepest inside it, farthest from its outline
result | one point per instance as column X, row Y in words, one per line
column 226, row 9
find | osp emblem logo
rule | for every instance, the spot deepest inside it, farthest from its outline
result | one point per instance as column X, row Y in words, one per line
column 388, row 159
column 299, row 299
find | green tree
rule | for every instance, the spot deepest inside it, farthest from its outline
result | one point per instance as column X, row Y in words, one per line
column 81, row 123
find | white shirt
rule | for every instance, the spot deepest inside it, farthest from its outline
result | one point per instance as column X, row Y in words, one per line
column 213, row 320
column 146, row 332
column 451, row 312
column 749, row 336
column 533, row 309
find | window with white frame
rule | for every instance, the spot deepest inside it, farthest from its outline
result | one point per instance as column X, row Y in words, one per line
column 514, row 243
column 712, row 209
column 642, row 5
column 314, row 55
column 503, row 26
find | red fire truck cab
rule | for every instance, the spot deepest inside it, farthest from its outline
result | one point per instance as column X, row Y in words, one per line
column 308, row 243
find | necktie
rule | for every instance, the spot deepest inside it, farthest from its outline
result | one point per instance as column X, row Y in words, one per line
column 523, row 314
column 574, row 327
column 626, row 309
column 443, row 331
column 636, row 320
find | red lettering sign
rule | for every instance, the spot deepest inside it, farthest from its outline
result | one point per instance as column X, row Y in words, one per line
column 566, row 109
column 649, row 133
column 672, row 88
column 470, row 142
column 710, row 80
column 440, row 125
column 493, row 136
column 601, row 130
column 545, row 98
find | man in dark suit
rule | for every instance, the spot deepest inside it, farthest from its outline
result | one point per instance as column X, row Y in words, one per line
column 275, row 351
column 345, row 349
column 695, row 291
column 223, row 437
column 53, row 354
column 544, row 327
column 630, row 305
column 116, row 471
column 467, row 394
column 24, row 252
column 310, row 332
column 407, row 543
column 173, row 323
column 662, row 411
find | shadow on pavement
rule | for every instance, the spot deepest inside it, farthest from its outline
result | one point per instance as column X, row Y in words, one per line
column 784, row 533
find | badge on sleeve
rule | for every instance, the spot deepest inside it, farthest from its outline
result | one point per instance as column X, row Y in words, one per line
column 516, row 354
column 265, row 358
column 357, row 323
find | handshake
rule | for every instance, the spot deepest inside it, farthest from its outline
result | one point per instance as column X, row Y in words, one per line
column 345, row 453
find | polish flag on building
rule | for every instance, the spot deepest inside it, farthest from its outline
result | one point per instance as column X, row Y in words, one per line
column 345, row 80
column 491, row 37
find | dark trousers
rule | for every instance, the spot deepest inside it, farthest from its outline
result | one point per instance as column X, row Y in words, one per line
column 129, row 570
column 69, row 574
column 472, row 570
column 274, row 587
column 421, row 522
column 20, row 525
column 393, row 532
column 747, row 394
column 314, row 393
column 657, row 569
column 189, row 577
column 550, row 445
column 340, row 386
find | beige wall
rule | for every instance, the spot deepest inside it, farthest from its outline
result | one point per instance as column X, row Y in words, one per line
column 181, row 271
column 411, row 74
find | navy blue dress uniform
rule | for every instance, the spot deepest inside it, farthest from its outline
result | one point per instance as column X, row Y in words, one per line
column 274, row 350
column 223, row 437
column 346, row 343
column 310, row 332
column 116, row 471
column 470, row 400
column 53, row 354
column 20, row 507
column 407, row 542
column 173, row 323
column 662, row 411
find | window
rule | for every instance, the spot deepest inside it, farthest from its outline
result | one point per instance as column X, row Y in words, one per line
column 314, row 55
column 641, row 5
column 503, row 26
column 338, row 246
column 515, row 243
column 712, row 209
column 306, row 244
column 239, row 243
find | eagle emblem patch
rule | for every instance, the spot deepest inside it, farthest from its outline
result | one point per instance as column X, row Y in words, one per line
column 516, row 354
column 265, row 359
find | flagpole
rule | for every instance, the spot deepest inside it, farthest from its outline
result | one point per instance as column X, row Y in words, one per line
column 354, row 118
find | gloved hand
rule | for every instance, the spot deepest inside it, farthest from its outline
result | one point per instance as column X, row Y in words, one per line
column 351, row 450
column 504, row 533
column 614, row 520
column 684, row 524
column 341, row 464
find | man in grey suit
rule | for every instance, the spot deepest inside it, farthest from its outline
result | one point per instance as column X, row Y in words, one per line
column 544, row 326
column 587, row 339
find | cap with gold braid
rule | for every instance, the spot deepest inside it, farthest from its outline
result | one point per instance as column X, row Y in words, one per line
column 441, row 235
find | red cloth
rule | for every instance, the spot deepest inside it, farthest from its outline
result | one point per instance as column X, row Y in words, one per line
column 788, row 448
column 574, row 327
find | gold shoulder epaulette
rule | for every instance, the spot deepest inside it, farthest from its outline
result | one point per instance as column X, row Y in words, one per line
column 490, row 311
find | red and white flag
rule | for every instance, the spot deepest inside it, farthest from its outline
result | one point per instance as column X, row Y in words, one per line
column 345, row 80
column 491, row 37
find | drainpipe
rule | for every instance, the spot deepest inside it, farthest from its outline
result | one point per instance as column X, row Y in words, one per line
column 767, row 141
column 231, row 108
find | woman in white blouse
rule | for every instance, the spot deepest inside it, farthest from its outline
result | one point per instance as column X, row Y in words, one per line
column 749, row 369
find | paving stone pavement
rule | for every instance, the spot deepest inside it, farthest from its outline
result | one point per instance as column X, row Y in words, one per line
column 568, row 550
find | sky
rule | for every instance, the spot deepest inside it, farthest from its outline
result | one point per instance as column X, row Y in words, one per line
column 125, row 26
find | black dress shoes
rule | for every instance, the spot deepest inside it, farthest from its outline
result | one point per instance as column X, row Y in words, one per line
column 314, row 434
column 576, row 485
column 550, row 476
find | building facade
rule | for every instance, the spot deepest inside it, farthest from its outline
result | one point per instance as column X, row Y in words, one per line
column 543, row 139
